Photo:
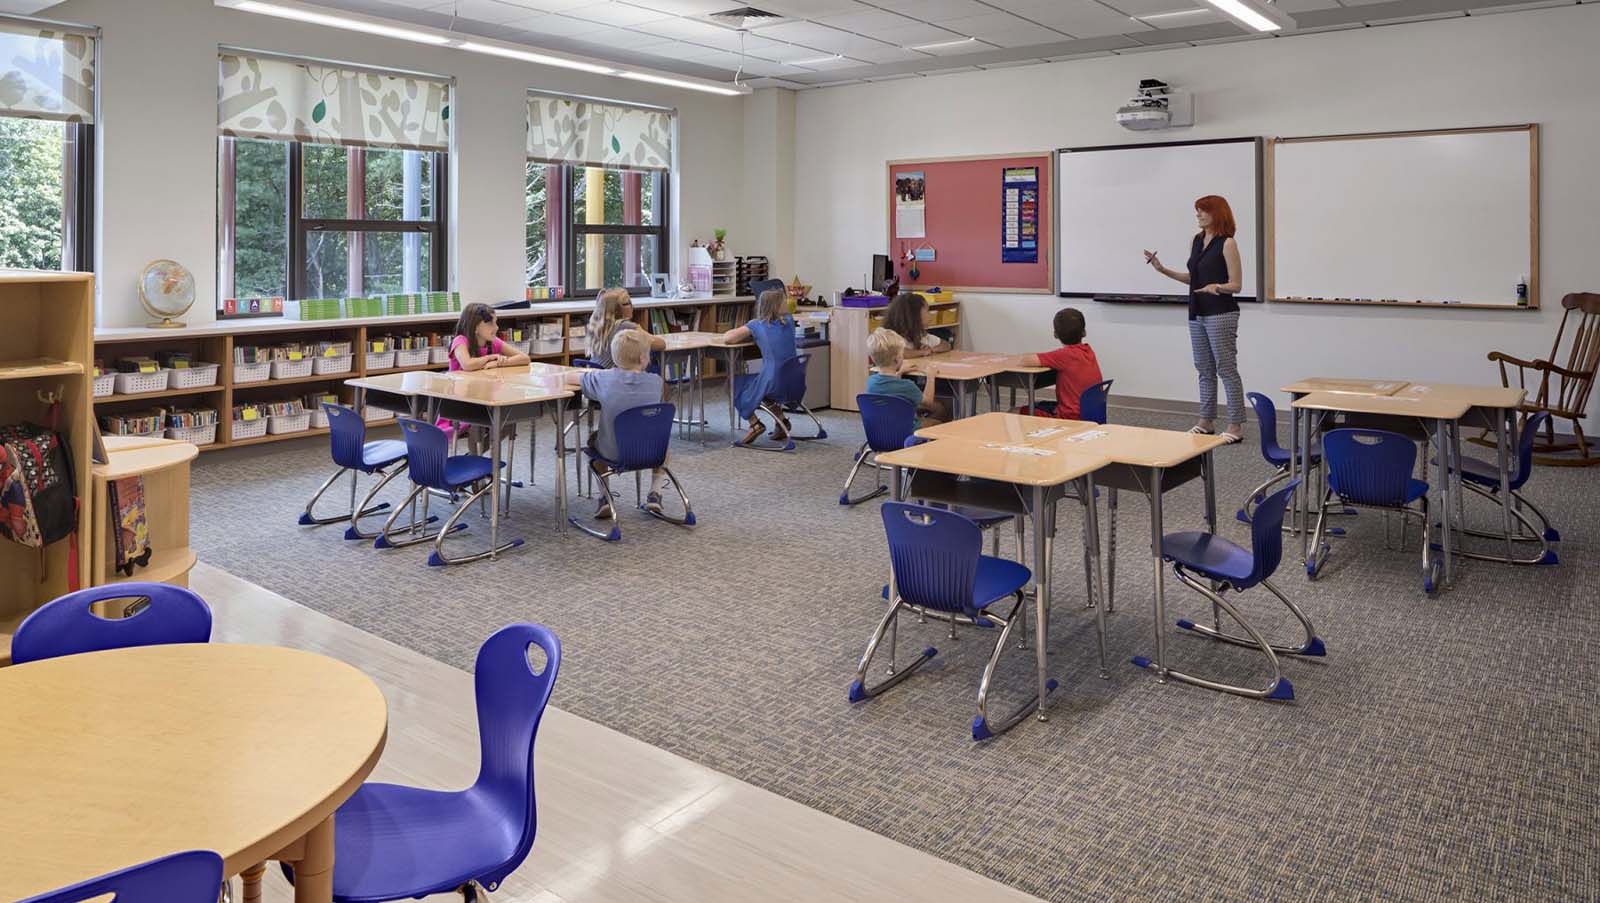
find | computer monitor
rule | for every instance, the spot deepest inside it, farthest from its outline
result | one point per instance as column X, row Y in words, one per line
column 882, row 272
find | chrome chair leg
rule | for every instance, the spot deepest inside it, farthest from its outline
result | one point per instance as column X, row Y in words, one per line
column 861, row 458
column 982, row 727
column 859, row 688
column 615, row 533
column 1311, row 646
column 308, row 518
column 1278, row 688
column 800, row 408
column 386, row 537
column 438, row 559
column 1542, row 533
column 1319, row 549
column 354, row 531
column 687, row 520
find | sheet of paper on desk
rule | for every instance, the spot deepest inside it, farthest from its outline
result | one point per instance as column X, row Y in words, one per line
column 1420, row 389
column 1047, row 432
column 1022, row 450
column 1087, row 435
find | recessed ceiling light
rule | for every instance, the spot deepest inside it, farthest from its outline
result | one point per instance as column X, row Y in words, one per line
column 1172, row 15
column 540, row 58
column 1254, row 14
column 817, row 60
column 333, row 21
column 939, row 44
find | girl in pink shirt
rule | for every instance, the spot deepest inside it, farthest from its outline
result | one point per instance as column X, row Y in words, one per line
column 477, row 346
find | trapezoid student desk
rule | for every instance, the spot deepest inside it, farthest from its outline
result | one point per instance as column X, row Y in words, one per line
column 489, row 398
column 1043, row 474
column 967, row 369
column 1147, row 460
column 116, row 757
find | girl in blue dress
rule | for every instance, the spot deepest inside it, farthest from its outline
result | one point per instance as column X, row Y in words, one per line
column 772, row 330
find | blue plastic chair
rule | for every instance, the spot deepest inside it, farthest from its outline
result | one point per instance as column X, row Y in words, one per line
column 940, row 572
column 347, row 434
column 434, row 468
column 161, row 614
column 643, row 435
column 192, row 877
column 1199, row 559
column 888, row 422
column 1370, row 468
column 1275, row 455
column 1483, row 478
column 1091, row 403
column 788, row 397
column 396, row 842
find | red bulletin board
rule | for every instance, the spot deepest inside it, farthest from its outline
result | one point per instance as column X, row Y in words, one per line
column 962, row 213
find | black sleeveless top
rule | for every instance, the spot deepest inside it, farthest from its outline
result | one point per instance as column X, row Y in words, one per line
column 1207, row 266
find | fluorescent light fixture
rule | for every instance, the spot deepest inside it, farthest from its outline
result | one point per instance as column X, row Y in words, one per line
column 817, row 60
column 334, row 21
column 939, row 44
column 528, row 56
column 1172, row 15
column 679, row 83
column 1254, row 14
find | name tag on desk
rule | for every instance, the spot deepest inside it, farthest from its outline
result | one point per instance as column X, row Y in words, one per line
column 1021, row 450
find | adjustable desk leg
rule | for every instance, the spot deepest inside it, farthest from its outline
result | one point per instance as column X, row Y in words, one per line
column 1041, row 596
column 1501, row 447
column 1160, row 575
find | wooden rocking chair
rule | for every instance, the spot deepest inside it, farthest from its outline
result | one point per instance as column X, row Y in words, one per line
column 1567, row 395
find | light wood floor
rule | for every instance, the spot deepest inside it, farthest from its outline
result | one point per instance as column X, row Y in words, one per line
column 619, row 820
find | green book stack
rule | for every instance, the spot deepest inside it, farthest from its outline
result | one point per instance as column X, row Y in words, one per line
column 363, row 307
column 455, row 301
column 437, row 302
column 313, row 309
column 402, row 305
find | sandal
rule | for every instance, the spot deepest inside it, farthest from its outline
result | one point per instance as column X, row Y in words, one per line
column 1230, row 438
column 756, row 429
column 1201, row 431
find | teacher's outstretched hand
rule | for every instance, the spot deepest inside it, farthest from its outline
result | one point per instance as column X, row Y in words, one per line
column 1213, row 277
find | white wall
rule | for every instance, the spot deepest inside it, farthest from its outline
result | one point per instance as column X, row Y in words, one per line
column 158, row 139
column 1489, row 70
column 769, row 154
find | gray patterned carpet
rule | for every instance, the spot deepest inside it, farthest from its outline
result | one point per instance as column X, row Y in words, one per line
column 1444, row 750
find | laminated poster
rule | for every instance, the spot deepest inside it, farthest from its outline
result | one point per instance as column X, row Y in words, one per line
column 1019, row 214
column 910, row 219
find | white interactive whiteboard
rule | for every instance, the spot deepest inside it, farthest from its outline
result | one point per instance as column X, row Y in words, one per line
column 1443, row 217
column 1116, row 201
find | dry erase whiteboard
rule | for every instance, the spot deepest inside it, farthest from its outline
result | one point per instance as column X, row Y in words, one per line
column 1447, row 217
column 1117, row 201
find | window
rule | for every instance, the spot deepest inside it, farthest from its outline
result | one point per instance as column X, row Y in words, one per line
column 329, row 206
column 46, row 147
column 597, row 195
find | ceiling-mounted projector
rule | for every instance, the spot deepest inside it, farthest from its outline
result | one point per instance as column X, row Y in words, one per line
column 1157, row 106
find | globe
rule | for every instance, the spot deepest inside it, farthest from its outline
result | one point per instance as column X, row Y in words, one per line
column 166, row 288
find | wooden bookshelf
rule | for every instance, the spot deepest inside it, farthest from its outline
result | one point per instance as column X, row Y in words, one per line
column 215, row 342
column 46, row 348
column 848, row 329
column 164, row 466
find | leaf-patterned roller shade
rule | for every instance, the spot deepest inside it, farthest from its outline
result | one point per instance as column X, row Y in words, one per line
column 580, row 132
column 46, row 74
column 266, row 97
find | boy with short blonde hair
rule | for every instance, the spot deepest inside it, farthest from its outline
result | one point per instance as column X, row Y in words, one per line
column 616, row 390
column 888, row 352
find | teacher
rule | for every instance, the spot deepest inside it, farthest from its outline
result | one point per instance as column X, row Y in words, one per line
column 1213, row 278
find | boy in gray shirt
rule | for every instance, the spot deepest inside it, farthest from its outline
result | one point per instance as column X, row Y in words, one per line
column 616, row 390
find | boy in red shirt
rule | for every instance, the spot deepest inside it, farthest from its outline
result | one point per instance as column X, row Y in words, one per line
column 1074, row 362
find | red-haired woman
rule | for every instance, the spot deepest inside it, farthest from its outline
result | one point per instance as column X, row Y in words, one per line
column 1214, row 275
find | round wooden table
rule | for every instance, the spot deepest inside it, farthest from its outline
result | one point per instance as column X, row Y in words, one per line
column 112, row 758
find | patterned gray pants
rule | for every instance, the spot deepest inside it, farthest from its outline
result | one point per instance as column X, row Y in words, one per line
column 1215, row 341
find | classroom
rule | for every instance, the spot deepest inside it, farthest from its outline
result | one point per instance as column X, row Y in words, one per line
column 688, row 450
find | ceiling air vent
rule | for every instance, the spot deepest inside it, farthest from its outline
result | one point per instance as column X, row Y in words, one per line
column 743, row 17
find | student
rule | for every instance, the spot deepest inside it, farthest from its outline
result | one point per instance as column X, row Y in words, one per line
column 616, row 390
column 613, row 312
column 888, row 352
column 772, row 330
column 1074, row 362
column 908, row 314
column 477, row 346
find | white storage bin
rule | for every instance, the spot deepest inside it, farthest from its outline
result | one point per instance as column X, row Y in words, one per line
column 251, row 373
column 439, row 354
column 330, row 366
column 376, row 415
column 380, row 360
column 523, row 346
column 199, row 435
column 105, row 384
column 290, row 369
column 547, row 346
column 278, row 424
column 249, row 429
column 194, row 376
column 319, row 419
column 136, row 383
column 411, row 357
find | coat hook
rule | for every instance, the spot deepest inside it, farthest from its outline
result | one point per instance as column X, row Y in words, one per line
column 50, row 398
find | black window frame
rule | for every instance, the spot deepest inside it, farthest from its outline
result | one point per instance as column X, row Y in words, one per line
column 300, row 226
column 574, row 230
column 79, row 206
